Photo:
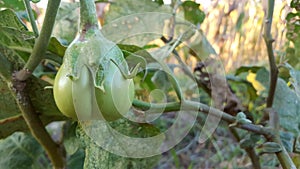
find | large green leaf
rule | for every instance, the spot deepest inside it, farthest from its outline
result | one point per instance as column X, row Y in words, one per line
column 20, row 151
column 286, row 102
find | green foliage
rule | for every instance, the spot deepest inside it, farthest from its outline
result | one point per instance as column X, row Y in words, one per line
column 287, row 139
column 192, row 12
column 201, row 47
column 250, row 140
column 14, row 35
column 66, row 27
column 284, row 97
column 243, row 69
column 76, row 160
column 14, row 40
column 270, row 147
column 13, row 4
column 21, row 151
column 160, row 2
column 56, row 47
column 16, row 43
column 127, row 7
column 293, row 29
column 98, row 158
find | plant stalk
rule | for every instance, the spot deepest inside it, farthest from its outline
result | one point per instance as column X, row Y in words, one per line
column 35, row 125
column 196, row 106
column 31, row 18
column 42, row 42
column 88, row 16
column 249, row 150
column 283, row 157
column 269, row 41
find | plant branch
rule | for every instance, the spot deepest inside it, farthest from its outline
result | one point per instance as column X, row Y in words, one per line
column 269, row 133
column 11, row 119
column 35, row 125
column 31, row 18
column 282, row 156
column 19, row 90
column 269, row 41
column 42, row 42
column 196, row 106
column 249, row 150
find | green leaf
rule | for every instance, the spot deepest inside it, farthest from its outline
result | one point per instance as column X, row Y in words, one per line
column 287, row 139
column 286, row 102
column 14, row 35
column 76, row 160
column 270, row 147
column 13, row 4
column 160, row 2
column 145, row 82
column 71, row 142
column 42, row 99
column 73, row 146
column 98, row 158
column 243, row 69
column 134, row 55
column 294, row 78
column 250, row 140
column 201, row 47
column 20, row 151
column 192, row 12
column 295, row 4
column 56, row 47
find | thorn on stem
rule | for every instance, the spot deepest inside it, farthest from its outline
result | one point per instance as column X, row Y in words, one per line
column 267, row 21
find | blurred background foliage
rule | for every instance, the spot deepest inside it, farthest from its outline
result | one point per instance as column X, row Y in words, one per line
column 234, row 28
column 231, row 29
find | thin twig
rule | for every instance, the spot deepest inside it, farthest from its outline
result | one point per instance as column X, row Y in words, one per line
column 11, row 119
column 249, row 150
column 196, row 106
column 42, row 42
column 31, row 18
